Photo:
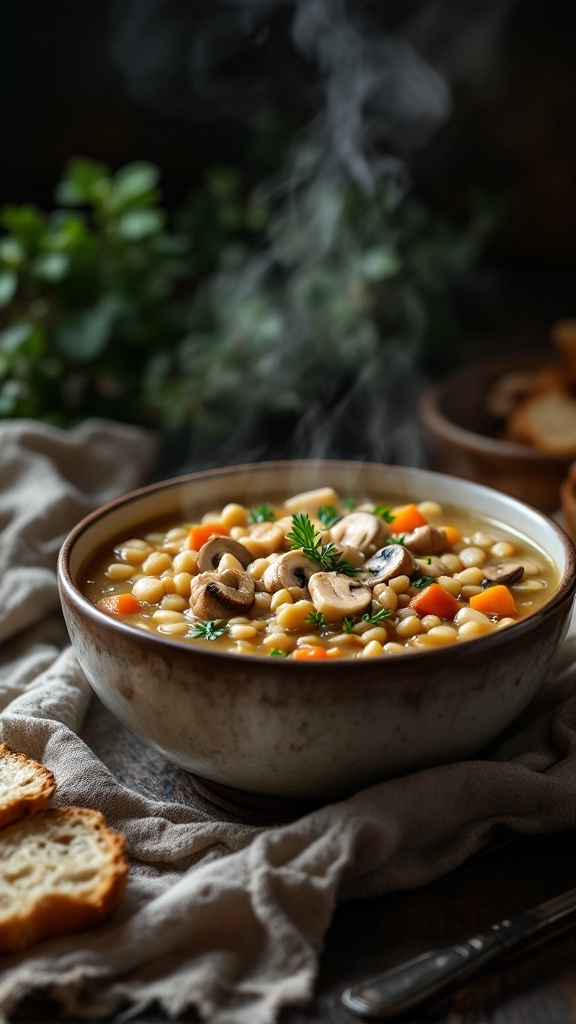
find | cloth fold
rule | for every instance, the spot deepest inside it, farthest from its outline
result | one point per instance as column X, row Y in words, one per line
column 220, row 915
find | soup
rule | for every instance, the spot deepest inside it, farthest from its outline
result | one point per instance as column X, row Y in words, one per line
column 323, row 576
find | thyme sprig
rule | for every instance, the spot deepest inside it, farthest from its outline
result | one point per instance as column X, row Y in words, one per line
column 329, row 515
column 421, row 582
column 316, row 620
column 305, row 536
column 262, row 514
column 377, row 617
column 211, row 629
column 384, row 512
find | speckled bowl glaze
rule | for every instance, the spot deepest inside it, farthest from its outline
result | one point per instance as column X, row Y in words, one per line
column 310, row 730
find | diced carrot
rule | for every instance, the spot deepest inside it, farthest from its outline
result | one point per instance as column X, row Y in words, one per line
column 310, row 653
column 407, row 518
column 435, row 600
column 199, row 535
column 495, row 601
column 453, row 536
column 119, row 604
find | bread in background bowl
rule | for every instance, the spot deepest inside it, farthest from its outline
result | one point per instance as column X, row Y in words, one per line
column 292, row 730
column 464, row 430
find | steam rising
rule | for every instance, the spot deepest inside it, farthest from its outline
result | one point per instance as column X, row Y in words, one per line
column 380, row 86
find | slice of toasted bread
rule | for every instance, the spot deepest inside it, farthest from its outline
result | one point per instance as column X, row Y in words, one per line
column 61, row 871
column 546, row 421
column 25, row 785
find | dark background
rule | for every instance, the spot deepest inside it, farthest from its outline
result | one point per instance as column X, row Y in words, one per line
column 181, row 83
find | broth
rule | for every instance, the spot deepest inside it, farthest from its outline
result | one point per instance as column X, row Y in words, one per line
column 321, row 577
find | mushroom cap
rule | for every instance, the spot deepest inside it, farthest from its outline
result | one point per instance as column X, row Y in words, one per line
column 391, row 560
column 220, row 595
column 337, row 596
column 211, row 552
column 427, row 540
column 361, row 530
column 292, row 569
column 505, row 572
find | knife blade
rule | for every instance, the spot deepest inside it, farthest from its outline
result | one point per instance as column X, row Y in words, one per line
column 405, row 986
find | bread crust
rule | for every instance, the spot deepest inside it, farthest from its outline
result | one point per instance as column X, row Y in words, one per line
column 547, row 421
column 53, row 911
column 27, row 800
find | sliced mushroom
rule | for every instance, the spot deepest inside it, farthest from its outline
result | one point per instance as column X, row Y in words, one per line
column 392, row 560
column 427, row 540
column 360, row 530
column 507, row 573
column 336, row 595
column 290, row 570
column 211, row 552
column 220, row 595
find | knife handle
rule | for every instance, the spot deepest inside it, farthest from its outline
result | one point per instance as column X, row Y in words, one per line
column 412, row 982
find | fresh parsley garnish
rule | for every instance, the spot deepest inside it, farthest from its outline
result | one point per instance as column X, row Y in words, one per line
column 262, row 514
column 349, row 503
column 275, row 653
column 347, row 624
column 421, row 582
column 378, row 617
column 305, row 536
column 384, row 512
column 395, row 540
column 211, row 629
column 329, row 515
column 315, row 619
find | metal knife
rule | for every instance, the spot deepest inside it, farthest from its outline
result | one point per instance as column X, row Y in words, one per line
column 409, row 984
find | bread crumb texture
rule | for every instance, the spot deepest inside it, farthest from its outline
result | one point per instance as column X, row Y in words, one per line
column 61, row 871
column 26, row 786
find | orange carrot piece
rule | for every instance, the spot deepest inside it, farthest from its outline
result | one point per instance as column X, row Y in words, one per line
column 119, row 604
column 199, row 535
column 435, row 600
column 453, row 536
column 495, row 601
column 310, row 653
column 407, row 518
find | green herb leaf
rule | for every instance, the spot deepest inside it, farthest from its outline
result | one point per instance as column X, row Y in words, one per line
column 384, row 512
column 211, row 629
column 329, row 559
column 349, row 503
column 378, row 617
column 315, row 619
column 8, row 286
column 395, row 540
column 329, row 515
column 275, row 653
column 305, row 536
column 261, row 514
column 422, row 581
column 347, row 624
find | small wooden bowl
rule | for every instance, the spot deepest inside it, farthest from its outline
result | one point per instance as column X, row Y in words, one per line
column 460, row 436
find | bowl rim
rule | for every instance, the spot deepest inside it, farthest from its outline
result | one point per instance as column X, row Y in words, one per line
column 432, row 417
column 565, row 590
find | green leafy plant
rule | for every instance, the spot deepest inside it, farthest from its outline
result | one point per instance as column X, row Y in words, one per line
column 226, row 315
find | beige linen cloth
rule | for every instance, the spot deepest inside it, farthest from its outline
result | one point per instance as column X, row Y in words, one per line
column 222, row 916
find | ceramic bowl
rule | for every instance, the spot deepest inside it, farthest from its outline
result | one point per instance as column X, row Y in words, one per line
column 298, row 730
column 460, row 436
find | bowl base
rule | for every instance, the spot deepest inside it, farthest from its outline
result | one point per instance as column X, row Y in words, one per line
column 254, row 808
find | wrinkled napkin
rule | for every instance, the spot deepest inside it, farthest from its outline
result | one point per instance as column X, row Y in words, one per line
column 220, row 915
